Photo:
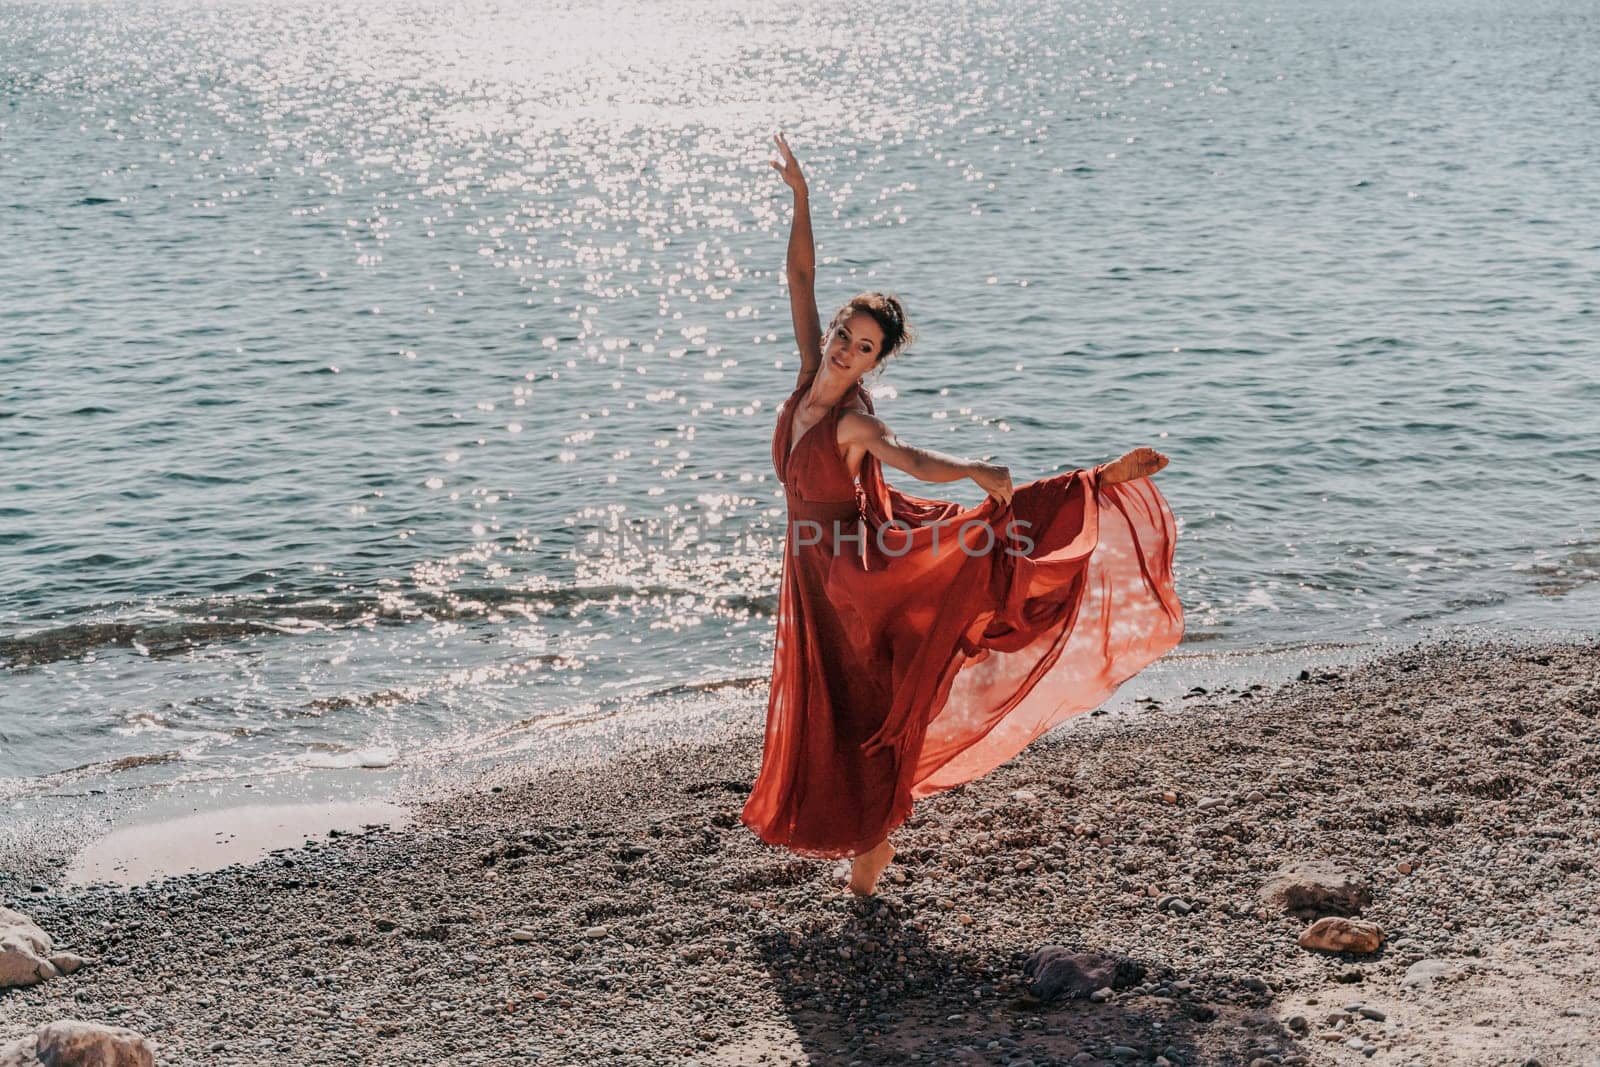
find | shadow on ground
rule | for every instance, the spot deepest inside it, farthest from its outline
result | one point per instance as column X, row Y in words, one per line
column 876, row 991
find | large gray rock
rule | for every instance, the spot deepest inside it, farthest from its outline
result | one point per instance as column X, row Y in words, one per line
column 1313, row 889
column 70, row 1043
column 1057, row 973
column 24, row 951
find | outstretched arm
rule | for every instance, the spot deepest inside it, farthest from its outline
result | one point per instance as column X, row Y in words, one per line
column 858, row 429
column 800, row 269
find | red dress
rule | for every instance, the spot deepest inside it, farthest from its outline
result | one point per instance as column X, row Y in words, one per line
column 920, row 645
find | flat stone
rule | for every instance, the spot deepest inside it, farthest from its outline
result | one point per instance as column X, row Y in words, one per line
column 1425, row 972
column 68, row 962
column 1336, row 934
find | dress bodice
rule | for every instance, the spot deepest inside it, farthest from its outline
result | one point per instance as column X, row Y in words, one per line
column 813, row 470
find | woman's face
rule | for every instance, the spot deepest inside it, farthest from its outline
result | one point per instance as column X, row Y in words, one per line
column 852, row 348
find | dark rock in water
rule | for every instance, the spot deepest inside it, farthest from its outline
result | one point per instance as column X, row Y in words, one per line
column 1057, row 973
column 1312, row 890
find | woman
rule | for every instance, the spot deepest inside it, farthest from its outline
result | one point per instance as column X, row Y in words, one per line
column 920, row 644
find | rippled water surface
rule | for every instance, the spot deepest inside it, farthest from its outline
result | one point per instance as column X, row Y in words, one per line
column 389, row 383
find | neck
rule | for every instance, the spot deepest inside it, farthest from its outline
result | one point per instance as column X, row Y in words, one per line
column 827, row 391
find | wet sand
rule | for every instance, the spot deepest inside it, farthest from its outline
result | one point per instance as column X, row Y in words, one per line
column 620, row 913
column 211, row 840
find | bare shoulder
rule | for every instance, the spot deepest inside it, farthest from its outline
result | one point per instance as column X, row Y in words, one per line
column 857, row 426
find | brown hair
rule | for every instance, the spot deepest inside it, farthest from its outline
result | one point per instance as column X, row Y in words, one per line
column 890, row 315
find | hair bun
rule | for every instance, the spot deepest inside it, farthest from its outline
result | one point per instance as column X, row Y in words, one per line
column 889, row 313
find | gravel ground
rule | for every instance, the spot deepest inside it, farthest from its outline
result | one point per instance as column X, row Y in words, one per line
column 620, row 914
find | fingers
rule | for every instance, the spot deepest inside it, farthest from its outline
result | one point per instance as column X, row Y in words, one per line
column 1003, row 489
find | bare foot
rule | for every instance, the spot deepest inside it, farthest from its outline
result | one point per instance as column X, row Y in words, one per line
column 866, row 868
column 1140, row 463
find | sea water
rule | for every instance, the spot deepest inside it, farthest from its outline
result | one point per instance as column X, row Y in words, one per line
column 394, row 384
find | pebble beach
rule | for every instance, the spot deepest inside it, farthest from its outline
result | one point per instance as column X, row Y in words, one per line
column 617, row 912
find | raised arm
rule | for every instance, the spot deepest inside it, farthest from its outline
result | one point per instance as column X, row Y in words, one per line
column 801, row 266
column 857, row 429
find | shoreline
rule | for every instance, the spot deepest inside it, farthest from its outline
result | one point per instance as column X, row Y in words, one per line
column 617, row 911
column 41, row 853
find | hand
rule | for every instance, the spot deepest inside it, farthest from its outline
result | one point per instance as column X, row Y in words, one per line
column 994, row 479
column 1139, row 463
column 788, row 167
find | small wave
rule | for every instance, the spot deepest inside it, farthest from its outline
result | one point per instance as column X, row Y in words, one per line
column 16, row 788
column 197, row 479
column 380, row 699
column 1579, row 567
column 128, row 763
column 682, row 688
column 334, row 757
column 211, row 621
column 148, row 639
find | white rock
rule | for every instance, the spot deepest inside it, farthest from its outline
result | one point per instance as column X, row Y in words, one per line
column 24, row 951
column 69, row 962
